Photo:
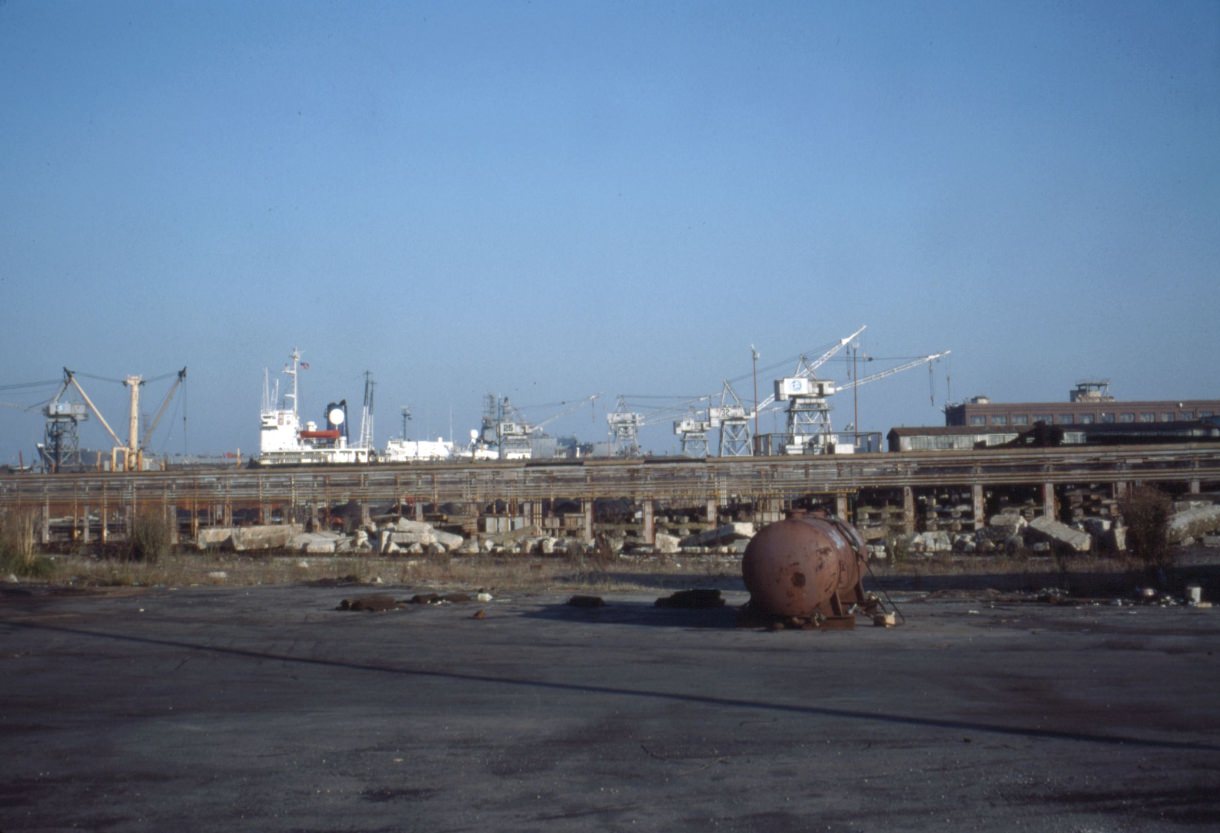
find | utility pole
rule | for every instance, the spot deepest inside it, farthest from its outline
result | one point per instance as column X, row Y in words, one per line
column 855, row 395
column 754, row 361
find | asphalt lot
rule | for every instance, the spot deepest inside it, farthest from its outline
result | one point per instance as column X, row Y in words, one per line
column 266, row 709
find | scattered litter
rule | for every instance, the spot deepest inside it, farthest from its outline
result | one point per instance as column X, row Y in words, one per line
column 438, row 598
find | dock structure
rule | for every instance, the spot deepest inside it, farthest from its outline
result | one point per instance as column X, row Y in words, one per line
column 881, row 493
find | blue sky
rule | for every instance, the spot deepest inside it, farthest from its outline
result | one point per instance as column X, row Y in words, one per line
column 548, row 200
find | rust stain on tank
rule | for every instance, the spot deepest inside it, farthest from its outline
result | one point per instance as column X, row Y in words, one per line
column 798, row 579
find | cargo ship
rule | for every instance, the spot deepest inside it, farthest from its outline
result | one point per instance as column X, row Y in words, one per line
column 285, row 441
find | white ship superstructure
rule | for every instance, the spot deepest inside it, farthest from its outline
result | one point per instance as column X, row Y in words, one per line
column 283, row 440
column 410, row 451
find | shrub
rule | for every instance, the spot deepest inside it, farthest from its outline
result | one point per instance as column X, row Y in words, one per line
column 1146, row 511
column 17, row 554
column 150, row 536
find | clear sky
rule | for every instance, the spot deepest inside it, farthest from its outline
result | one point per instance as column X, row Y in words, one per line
column 552, row 199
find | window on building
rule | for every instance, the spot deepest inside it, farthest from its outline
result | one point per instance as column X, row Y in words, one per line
column 1188, row 415
column 1108, row 419
column 1043, row 418
column 1020, row 419
column 999, row 419
column 1126, row 417
column 1205, row 414
column 1063, row 419
column 978, row 419
column 1086, row 419
column 1147, row 416
column 1166, row 416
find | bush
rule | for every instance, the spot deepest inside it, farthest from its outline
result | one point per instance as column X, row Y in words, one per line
column 150, row 536
column 17, row 554
column 1146, row 511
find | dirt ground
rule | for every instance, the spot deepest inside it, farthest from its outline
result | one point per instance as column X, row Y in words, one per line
column 267, row 708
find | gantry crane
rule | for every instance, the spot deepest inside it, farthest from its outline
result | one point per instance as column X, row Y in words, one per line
column 809, row 429
column 506, row 428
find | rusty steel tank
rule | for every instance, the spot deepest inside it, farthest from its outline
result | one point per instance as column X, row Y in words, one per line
column 805, row 566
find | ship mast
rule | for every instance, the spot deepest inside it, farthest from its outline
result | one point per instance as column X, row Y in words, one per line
column 292, row 371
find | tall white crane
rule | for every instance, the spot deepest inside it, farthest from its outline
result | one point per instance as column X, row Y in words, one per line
column 734, row 419
column 809, row 429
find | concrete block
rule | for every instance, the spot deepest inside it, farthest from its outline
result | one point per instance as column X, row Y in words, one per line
column 264, row 537
column 1194, row 523
column 724, row 534
column 667, row 544
column 1052, row 531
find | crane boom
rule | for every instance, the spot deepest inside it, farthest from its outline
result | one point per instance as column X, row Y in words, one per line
column 891, row 371
column 805, row 368
column 70, row 378
column 161, row 411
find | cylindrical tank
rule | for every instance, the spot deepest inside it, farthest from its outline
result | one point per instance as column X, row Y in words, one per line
column 804, row 565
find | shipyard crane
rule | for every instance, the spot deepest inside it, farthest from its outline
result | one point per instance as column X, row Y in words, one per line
column 506, row 427
column 734, row 419
column 809, row 428
column 689, row 423
column 132, row 451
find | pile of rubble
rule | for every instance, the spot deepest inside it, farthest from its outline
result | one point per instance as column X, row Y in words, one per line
column 1014, row 530
column 400, row 536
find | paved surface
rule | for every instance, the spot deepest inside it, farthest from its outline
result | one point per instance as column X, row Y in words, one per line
column 267, row 710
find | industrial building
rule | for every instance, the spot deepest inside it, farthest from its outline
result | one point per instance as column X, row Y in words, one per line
column 1090, row 403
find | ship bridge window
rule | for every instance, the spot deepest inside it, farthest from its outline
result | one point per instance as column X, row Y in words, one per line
column 1063, row 419
column 999, row 419
column 1108, row 419
column 1126, row 417
column 1147, row 416
column 1020, row 419
column 1086, row 419
column 978, row 419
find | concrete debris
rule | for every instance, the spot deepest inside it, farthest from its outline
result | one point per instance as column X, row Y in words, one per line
column 666, row 544
column 1009, row 522
column 1059, row 533
column 318, row 543
column 725, row 534
column 247, row 538
column 1194, row 522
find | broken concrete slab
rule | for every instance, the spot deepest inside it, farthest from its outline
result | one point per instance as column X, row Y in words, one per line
column 1053, row 532
column 246, row 538
column 1194, row 523
column 317, row 543
column 724, row 534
